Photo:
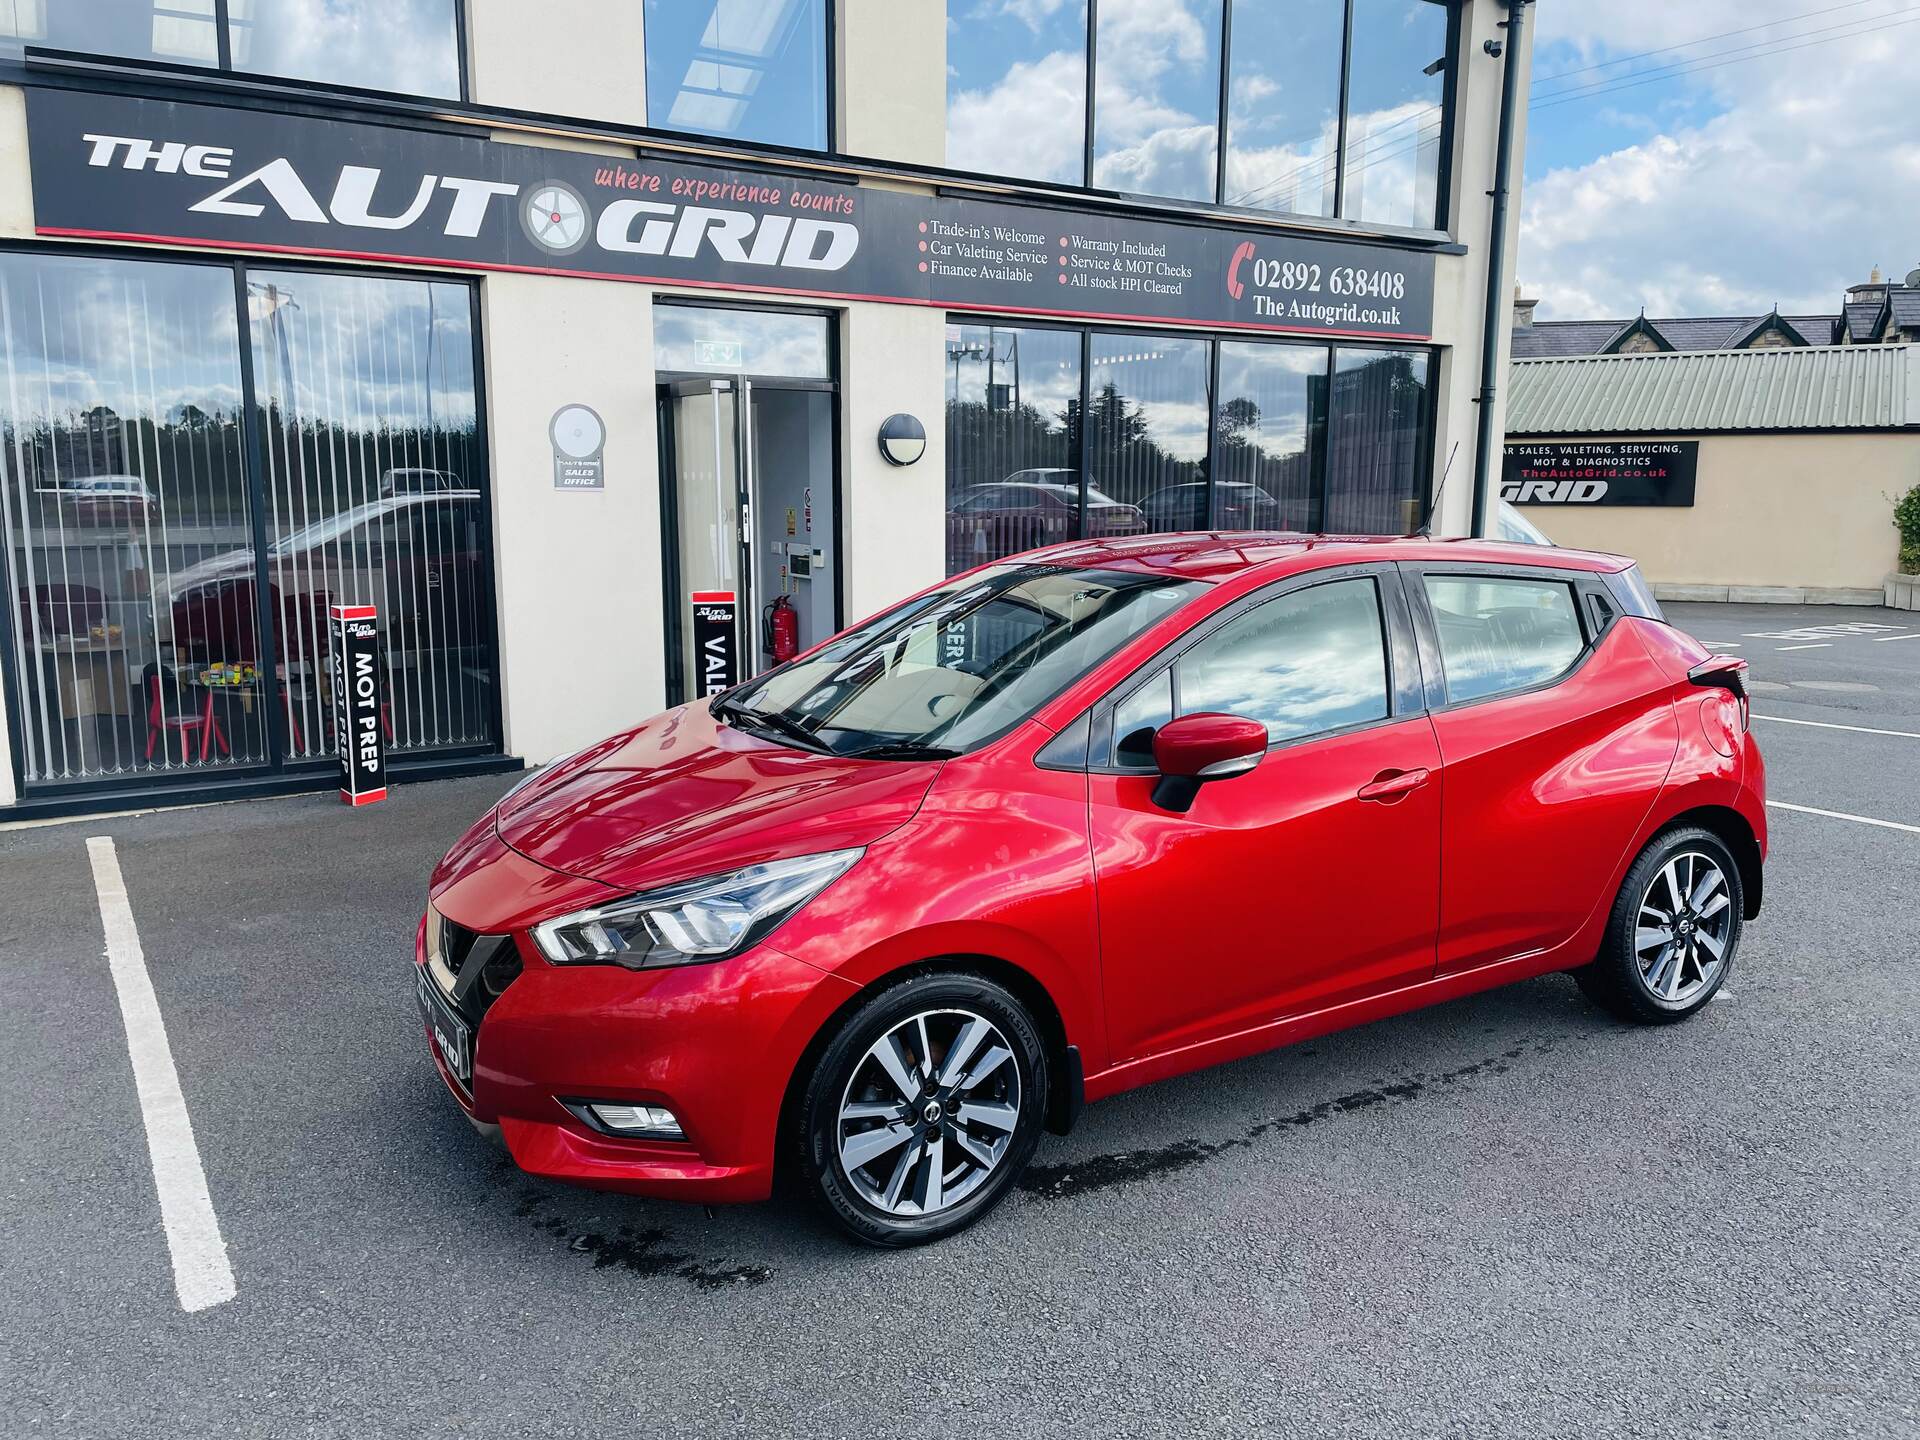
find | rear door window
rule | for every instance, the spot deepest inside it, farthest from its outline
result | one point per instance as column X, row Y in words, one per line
column 1499, row 634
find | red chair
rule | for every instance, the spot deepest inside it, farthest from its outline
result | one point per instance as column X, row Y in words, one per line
column 160, row 720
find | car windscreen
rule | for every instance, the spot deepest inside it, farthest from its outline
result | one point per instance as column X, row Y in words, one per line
column 959, row 666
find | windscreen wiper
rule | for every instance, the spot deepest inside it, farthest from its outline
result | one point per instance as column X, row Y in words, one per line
column 744, row 718
column 902, row 750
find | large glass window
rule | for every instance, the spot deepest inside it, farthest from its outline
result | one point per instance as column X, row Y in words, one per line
column 751, row 70
column 373, row 486
column 1283, row 105
column 120, row 400
column 1147, row 420
column 1396, row 93
column 411, row 46
column 1013, row 479
column 1499, row 634
column 1016, row 92
column 1156, row 106
column 1306, row 663
column 1270, row 426
column 1017, row 89
column 408, row 46
column 1377, row 442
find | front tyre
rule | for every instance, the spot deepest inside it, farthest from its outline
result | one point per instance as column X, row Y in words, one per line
column 1673, row 932
column 923, row 1109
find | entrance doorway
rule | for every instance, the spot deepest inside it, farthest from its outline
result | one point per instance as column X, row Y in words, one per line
column 749, row 492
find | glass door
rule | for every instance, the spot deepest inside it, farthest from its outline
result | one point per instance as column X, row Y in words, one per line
column 708, row 495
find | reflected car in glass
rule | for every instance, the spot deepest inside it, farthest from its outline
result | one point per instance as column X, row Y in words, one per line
column 1239, row 505
column 1030, row 509
column 1074, row 822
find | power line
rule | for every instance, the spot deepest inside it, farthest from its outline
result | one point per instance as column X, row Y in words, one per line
column 1701, row 40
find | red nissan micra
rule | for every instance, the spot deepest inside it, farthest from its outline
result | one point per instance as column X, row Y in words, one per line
column 1076, row 821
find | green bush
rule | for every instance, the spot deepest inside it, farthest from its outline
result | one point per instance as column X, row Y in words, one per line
column 1906, row 515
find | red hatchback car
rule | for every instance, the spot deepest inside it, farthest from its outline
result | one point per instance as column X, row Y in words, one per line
column 1073, row 822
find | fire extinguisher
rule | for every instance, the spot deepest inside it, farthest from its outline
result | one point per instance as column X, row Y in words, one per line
column 780, row 626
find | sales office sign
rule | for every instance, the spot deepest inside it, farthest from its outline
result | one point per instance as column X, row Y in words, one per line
column 122, row 167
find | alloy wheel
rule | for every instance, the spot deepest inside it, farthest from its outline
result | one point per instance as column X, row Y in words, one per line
column 1685, row 926
column 929, row 1112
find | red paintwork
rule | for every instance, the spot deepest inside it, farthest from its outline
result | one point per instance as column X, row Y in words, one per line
column 1189, row 744
column 1342, row 880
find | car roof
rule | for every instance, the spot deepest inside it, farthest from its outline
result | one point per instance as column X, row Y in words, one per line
column 1217, row 556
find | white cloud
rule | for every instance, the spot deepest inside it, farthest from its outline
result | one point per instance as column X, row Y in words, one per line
column 1030, row 123
column 1809, row 175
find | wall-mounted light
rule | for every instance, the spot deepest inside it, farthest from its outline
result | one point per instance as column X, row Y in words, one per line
column 903, row 439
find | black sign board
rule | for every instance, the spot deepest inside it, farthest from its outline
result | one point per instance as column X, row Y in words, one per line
column 1600, row 472
column 121, row 167
column 357, row 724
column 716, row 640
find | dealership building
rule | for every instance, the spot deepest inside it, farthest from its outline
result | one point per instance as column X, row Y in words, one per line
column 607, row 352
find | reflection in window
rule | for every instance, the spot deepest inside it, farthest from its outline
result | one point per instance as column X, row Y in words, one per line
column 1137, row 718
column 1283, row 105
column 122, row 492
column 1271, row 422
column 716, row 339
column 404, row 45
column 1396, row 89
column 375, row 495
column 741, row 69
column 1499, row 634
column 1156, row 113
column 1309, row 662
column 180, row 32
column 1012, row 481
column 1377, row 435
column 1146, row 429
column 1017, row 89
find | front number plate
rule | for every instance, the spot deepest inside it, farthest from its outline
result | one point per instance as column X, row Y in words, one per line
column 450, row 1033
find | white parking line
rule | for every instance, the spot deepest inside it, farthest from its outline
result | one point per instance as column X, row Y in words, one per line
column 1842, row 815
column 1883, row 639
column 1829, row 725
column 201, row 1274
column 1822, row 645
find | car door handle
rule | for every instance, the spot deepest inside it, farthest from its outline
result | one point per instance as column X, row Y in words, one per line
column 1390, row 785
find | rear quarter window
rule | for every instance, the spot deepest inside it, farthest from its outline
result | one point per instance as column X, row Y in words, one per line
column 1499, row 634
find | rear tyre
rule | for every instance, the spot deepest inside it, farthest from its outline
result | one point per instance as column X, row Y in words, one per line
column 923, row 1109
column 1673, row 931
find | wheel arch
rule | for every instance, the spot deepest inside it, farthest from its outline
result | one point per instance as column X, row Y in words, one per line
column 1737, row 835
column 1065, row 1091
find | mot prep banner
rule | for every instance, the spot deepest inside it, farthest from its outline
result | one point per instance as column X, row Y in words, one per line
column 121, row 167
column 357, row 725
column 1600, row 472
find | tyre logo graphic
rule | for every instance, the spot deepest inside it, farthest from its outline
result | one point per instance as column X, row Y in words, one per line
column 555, row 217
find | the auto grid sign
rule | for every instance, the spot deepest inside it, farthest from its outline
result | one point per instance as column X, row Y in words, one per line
column 121, row 167
column 1600, row 472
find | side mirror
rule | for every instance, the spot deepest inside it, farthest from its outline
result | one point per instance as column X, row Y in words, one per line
column 1194, row 749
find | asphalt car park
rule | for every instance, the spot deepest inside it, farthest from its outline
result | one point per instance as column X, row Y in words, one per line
column 1507, row 1215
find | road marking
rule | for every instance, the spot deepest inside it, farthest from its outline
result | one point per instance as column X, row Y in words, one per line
column 201, row 1274
column 1823, row 645
column 1829, row 725
column 1721, row 644
column 1883, row 639
column 1842, row 815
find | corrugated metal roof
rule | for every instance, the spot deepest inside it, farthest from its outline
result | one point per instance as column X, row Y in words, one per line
column 1846, row 387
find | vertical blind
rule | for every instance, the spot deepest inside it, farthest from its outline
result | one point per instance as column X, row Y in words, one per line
column 132, row 513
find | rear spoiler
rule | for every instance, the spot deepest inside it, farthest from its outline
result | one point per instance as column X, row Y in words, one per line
column 1721, row 672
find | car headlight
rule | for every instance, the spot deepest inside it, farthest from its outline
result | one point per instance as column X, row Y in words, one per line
column 705, row 919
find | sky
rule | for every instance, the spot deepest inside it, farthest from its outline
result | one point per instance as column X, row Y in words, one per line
column 1779, row 177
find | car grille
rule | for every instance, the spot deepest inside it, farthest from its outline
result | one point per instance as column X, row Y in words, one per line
column 483, row 967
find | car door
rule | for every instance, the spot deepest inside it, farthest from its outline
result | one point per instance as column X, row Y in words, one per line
column 1556, row 733
column 1312, row 879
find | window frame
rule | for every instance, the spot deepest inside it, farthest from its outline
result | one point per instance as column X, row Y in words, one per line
column 1583, row 586
column 279, row 772
column 1406, row 692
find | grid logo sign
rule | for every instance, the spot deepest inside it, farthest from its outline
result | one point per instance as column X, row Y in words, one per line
column 1600, row 472
column 127, row 168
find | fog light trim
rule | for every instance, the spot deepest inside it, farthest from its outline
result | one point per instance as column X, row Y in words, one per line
column 633, row 1122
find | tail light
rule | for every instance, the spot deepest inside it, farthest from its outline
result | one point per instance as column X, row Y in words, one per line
column 1729, row 673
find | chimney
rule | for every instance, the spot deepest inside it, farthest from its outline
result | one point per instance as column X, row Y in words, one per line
column 1522, row 310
